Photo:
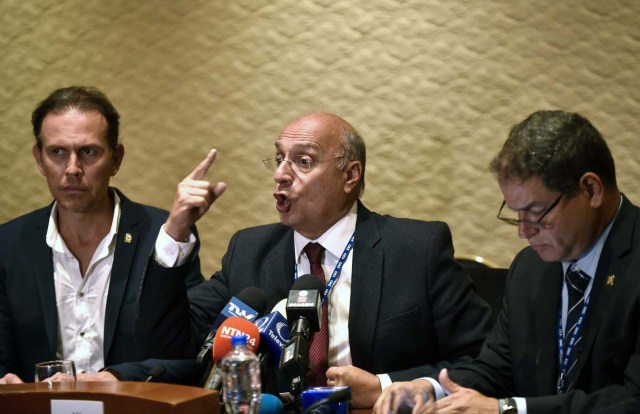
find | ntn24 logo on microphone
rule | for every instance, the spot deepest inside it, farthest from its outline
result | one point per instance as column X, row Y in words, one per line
column 228, row 331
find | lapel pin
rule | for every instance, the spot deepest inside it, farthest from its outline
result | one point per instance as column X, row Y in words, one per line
column 128, row 238
column 610, row 280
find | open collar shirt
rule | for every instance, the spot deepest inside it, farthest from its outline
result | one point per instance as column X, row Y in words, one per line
column 81, row 301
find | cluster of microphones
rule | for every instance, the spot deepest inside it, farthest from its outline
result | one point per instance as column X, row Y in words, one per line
column 279, row 338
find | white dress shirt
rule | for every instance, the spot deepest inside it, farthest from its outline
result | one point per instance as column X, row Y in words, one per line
column 334, row 241
column 82, row 301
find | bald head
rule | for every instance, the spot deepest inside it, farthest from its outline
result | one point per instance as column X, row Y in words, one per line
column 333, row 130
column 330, row 125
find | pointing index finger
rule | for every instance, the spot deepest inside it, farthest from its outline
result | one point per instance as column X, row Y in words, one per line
column 203, row 167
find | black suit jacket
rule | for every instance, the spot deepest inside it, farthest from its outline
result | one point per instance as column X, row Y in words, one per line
column 520, row 357
column 28, row 313
column 413, row 308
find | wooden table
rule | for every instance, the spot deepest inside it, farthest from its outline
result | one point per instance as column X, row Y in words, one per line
column 118, row 397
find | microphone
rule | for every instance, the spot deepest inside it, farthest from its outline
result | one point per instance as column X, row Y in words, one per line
column 281, row 307
column 233, row 326
column 326, row 400
column 304, row 310
column 156, row 372
column 274, row 332
column 250, row 303
column 270, row 404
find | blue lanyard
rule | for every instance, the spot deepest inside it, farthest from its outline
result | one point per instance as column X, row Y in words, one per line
column 566, row 354
column 336, row 272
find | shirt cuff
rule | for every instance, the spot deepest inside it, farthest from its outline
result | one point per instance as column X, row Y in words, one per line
column 170, row 253
column 437, row 388
column 521, row 404
column 385, row 380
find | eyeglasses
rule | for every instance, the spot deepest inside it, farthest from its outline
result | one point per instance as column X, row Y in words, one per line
column 300, row 163
column 535, row 223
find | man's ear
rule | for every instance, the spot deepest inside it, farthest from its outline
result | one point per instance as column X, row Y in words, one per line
column 37, row 154
column 353, row 175
column 116, row 159
column 591, row 186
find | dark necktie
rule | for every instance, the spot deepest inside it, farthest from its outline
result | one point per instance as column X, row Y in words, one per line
column 577, row 282
column 318, row 349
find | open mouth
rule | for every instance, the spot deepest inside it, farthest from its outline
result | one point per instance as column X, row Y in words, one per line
column 283, row 204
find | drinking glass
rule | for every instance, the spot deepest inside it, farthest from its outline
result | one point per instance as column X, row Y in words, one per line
column 47, row 369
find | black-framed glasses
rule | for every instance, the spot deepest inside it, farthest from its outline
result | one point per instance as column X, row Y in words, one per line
column 535, row 223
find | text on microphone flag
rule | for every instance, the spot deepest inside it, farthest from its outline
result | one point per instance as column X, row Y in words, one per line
column 236, row 307
column 229, row 331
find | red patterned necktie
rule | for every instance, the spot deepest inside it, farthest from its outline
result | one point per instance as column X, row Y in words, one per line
column 318, row 349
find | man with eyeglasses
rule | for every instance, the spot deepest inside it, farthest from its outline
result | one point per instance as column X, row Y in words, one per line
column 400, row 307
column 568, row 337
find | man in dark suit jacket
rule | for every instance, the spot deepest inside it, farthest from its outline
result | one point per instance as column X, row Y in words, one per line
column 558, row 179
column 77, row 150
column 28, row 314
column 411, row 308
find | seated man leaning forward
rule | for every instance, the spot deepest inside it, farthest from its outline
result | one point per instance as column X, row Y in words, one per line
column 567, row 339
column 401, row 306
column 70, row 272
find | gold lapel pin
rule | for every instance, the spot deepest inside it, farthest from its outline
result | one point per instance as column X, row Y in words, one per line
column 610, row 280
column 128, row 238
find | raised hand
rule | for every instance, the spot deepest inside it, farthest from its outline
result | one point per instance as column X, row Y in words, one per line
column 193, row 199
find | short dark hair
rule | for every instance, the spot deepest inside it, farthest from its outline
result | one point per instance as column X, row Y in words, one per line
column 82, row 98
column 558, row 147
column 353, row 149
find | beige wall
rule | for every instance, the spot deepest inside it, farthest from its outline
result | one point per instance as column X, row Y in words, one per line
column 432, row 85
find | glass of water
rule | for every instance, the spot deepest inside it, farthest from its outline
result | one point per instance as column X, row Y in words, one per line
column 48, row 369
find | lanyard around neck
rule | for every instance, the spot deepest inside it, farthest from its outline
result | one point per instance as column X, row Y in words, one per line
column 566, row 354
column 336, row 271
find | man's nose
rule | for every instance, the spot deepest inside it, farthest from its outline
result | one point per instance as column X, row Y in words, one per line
column 283, row 172
column 526, row 230
column 73, row 165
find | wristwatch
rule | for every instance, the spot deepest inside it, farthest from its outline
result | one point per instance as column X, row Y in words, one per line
column 507, row 406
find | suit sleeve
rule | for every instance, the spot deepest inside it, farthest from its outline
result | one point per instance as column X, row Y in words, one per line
column 490, row 372
column 7, row 346
column 461, row 319
column 176, row 309
column 176, row 371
